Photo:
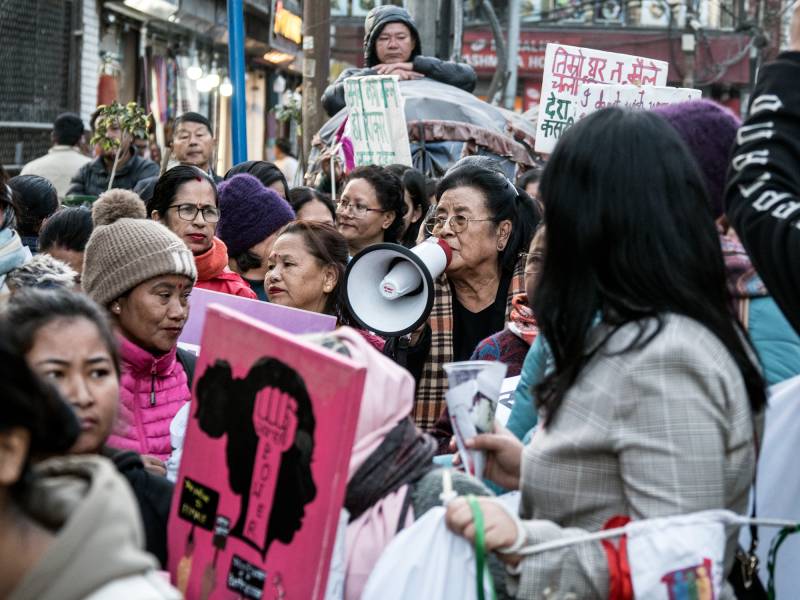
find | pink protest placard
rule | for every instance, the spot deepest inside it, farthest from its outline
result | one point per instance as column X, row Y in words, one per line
column 292, row 320
column 265, row 461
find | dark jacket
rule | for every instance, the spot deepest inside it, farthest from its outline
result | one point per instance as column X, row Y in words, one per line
column 763, row 194
column 458, row 74
column 153, row 495
column 92, row 178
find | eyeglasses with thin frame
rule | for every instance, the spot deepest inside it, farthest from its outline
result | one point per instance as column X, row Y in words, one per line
column 458, row 223
column 532, row 260
column 359, row 210
column 188, row 212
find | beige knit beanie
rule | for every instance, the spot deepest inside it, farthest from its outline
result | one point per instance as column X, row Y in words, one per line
column 127, row 252
column 116, row 204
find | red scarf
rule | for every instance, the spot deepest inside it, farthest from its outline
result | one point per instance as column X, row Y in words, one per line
column 521, row 321
column 212, row 262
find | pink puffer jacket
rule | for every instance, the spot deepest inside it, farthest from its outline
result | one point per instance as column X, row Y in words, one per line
column 152, row 390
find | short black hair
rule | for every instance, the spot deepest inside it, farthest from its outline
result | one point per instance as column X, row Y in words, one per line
column 389, row 192
column 302, row 195
column 284, row 146
column 192, row 117
column 530, row 176
column 36, row 198
column 68, row 228
column 266, row 172
column 67, row 129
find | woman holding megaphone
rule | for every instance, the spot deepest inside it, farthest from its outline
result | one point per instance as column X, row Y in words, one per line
column 487, row 222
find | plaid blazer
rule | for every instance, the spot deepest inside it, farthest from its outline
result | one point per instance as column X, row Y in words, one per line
column 657, row 431
column 432, row 387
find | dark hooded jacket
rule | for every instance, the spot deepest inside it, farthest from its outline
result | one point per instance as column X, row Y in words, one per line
column 458, row 74
column 92, row 178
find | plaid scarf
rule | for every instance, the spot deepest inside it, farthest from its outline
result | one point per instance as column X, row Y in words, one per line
column 433, row 385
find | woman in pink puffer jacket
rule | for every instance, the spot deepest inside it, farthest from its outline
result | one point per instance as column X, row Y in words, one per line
column 152, row 390
column 143, row 274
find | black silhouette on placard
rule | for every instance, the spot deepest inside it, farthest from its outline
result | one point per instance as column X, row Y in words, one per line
column 225, row 406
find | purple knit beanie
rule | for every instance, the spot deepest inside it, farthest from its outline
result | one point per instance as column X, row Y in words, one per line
column 249, row 213
column 709, row 130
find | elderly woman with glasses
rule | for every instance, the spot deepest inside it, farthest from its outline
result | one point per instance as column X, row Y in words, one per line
column 370, row 209
column 487, row 222
column 186, row 201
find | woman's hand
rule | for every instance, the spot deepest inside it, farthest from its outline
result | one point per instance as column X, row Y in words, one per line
column 499, row 529
column 325, row 164
column 154, row 465
column 794, row 31
column 503, row 456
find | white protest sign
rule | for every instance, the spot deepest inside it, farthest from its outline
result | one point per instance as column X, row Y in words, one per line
column 594, row 96
column 567, row 67
column 377, row 120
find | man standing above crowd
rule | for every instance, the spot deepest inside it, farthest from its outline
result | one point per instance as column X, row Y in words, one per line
column 92, row 178
column 193, row 144
column 64, row 159
column 392, row 47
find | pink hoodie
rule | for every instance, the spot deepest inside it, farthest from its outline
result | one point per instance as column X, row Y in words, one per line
column 152, row 390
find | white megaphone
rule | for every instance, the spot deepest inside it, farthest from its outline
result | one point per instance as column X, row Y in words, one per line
column 389, row 288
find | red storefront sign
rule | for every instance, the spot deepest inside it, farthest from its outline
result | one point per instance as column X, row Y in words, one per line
column 478, row 50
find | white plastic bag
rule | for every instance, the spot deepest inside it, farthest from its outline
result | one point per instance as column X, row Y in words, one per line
column 670, row 555
column 426, row 560
column 778, row 484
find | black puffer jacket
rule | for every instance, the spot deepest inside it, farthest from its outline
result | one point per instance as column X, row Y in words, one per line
column 92, row 178
column 153, row 495
column 458, row 74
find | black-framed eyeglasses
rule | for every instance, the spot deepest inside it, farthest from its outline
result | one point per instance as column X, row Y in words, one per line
column 188, row 212
column 359, row 210
column 458, row 223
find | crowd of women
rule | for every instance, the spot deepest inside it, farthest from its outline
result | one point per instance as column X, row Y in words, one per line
column 620, row 281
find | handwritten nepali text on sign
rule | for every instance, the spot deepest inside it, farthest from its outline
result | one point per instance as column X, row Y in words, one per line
column 567, row 67
column 377, row 120
column 594, row 96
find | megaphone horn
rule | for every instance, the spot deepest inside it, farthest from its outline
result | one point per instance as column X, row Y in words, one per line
column 389, row 288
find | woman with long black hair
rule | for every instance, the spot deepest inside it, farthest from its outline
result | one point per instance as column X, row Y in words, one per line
column 655, row 403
